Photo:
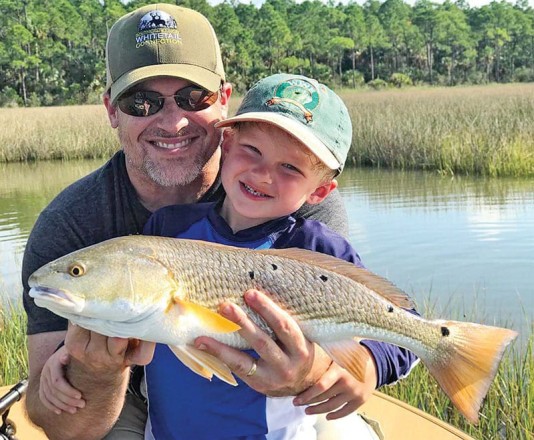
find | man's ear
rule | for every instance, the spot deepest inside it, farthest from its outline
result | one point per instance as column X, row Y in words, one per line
column 321, row 192
column 225, row 92
column 111, row 110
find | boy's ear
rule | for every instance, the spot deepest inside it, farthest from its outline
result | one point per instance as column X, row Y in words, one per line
column 321, row 192
column 226, row 142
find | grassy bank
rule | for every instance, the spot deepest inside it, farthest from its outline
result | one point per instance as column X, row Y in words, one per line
column 47, row 133
column 506, row 414
column 483, row 130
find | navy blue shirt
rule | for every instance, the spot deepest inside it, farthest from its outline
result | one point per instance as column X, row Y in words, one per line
column 180, row 401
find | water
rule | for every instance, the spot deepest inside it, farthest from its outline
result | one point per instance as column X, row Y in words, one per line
column 463, row 245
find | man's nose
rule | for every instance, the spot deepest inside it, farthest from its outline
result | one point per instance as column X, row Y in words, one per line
column 172, row 118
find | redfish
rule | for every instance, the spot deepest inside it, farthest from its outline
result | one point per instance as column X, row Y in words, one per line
column 168, row 290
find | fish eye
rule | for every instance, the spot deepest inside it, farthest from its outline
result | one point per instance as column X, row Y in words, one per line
column 76, row 270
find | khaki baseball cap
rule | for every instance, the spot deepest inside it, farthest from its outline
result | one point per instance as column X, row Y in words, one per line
column 162, row 40
column 305, row 109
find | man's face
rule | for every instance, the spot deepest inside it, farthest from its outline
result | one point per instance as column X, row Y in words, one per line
column 173, row 146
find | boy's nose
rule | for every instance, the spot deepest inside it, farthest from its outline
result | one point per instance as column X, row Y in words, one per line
column 263, row 172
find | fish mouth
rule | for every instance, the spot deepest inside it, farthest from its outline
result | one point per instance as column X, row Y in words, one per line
column 56, row 299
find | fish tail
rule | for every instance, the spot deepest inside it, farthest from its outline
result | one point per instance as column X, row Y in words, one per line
column 469, row 362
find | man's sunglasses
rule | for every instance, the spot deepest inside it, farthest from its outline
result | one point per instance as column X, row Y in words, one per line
column 146, row 103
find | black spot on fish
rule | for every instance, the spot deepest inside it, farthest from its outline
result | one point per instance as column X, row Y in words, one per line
column 324, row 278
column 251, row 274
column 390, row 309
column 445, row 331
column 274, row 266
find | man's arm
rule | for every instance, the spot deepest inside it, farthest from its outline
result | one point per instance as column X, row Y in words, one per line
column 99, row 369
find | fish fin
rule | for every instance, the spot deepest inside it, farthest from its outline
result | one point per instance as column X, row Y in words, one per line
column 469, row 363
column 202, row 363
column 348, row 354
column 209, row 319
column 376, row 283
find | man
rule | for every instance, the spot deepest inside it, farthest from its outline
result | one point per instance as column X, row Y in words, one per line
column 168, row 57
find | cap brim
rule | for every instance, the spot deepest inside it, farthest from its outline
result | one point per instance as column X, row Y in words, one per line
column 197, row 75
column 294, row 128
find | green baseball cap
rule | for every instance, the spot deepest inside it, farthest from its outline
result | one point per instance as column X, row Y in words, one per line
column 162, row 40
column 304, row 108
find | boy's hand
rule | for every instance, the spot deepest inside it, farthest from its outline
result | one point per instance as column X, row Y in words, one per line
column 337, row 392
column 55, row 392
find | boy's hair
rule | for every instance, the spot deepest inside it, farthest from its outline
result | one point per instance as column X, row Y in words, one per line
column 326, row 174
column 304, row 108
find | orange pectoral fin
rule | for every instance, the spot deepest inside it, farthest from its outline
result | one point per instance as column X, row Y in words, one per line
column 212, row 321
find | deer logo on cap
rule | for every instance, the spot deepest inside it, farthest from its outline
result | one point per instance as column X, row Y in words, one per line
column 156, row 19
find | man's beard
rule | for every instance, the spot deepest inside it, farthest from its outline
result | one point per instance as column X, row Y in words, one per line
column 166, row 176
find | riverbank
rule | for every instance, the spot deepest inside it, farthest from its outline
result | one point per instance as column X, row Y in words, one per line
column 506, row 413
column 478, row 130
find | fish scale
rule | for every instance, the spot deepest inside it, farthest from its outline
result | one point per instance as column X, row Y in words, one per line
column 168, row 290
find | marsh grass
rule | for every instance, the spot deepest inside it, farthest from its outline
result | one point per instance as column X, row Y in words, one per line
column 47, row 133
column 482, row 130
column 13, row 348
column 506, row 413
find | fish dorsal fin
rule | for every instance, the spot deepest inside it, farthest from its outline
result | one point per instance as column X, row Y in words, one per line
column 377, row 284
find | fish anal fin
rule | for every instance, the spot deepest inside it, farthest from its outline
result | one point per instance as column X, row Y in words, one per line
column 183, row 356
column 350, row 355
column 376, row 283
column 210, row 320
column 470, row 363
column 203, row 363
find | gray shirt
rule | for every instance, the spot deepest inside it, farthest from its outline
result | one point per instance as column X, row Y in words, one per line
column 104, row 205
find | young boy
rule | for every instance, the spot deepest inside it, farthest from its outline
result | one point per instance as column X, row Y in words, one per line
column 287, row 142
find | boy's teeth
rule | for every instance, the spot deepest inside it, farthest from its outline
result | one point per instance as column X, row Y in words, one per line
column 253, row 191
column 172, row 146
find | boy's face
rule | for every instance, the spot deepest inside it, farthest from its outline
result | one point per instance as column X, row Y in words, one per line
column 267, row 174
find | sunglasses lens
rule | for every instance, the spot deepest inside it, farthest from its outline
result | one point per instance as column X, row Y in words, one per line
column 141, row 103
column 146, row 103
column 193, row 98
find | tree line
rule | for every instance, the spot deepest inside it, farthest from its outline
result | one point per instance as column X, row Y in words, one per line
column 52, row 52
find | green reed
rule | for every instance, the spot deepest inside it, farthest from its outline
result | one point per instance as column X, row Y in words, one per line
column 13, row 348
column 482, row 130
column 47, row 133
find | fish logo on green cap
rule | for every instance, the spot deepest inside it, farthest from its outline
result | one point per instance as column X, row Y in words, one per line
column 298, row 92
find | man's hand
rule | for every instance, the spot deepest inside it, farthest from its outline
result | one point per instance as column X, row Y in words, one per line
column 286, row 366
column 103, row 355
